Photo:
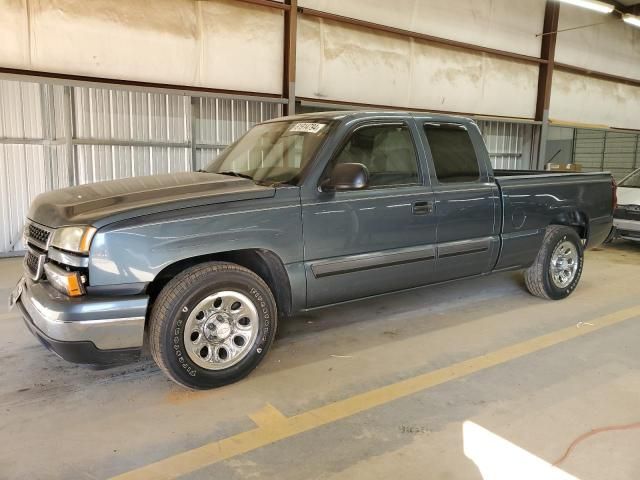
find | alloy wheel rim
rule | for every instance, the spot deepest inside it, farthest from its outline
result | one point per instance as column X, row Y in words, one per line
column 221, row 330
column 564, row 264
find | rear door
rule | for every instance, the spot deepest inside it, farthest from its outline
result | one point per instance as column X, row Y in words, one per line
column 365, row 242
column 467, row 200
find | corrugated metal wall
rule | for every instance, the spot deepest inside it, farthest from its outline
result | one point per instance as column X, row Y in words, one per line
column 32, row 156
column 123, row 134
column 598, row 150
column 509, row 144
column 53, row 136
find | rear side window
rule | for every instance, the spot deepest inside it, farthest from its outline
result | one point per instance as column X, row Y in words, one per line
column 453, row 154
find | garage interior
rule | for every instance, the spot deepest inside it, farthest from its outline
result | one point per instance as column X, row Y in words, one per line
column 474, row 379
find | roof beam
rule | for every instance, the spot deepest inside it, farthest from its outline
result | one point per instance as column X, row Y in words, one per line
column 289, row 56
column 547, row 52
column 545, row 75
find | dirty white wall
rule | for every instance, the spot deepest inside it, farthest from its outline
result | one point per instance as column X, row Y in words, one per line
column 348, row 63
column 217, row 44
column 612, row 46
column 580, row 99
column 233, row 45
column 501, row 24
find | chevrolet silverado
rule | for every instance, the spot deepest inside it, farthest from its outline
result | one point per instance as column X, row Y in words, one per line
column 301, row 212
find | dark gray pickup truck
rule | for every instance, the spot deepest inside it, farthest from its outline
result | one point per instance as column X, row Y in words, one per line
column 300, row 213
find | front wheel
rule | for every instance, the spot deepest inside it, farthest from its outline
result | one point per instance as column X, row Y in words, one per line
column 556, row 271
column 212, row 325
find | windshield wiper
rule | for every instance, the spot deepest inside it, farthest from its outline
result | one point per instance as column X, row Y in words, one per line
column 236, row 174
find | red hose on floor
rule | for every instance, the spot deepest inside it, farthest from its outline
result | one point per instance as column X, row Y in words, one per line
column 591, row 433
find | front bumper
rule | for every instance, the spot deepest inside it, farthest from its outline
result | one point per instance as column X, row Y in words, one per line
column 94, row 330
column 627, row 229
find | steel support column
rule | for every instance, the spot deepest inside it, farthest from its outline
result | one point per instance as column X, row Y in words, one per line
column 545, row 75
column 289, row 56
column 69, row 132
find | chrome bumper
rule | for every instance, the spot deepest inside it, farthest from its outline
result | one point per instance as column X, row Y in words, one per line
column 627, row 229
column 630, row 225
column 109, row 323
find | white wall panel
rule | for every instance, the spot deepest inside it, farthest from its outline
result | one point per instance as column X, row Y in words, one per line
column 581, row 99
column 97, row 163
column 183, row 42
column 102, row 113
column 23, row 176
column 241, row 47
column 501, row 24
column 611, row 47
column 14, row 33
column 508, row 144
column 353, row 64
column 20, row 110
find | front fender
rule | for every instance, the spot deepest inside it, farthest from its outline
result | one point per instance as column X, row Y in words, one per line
column 136, row 250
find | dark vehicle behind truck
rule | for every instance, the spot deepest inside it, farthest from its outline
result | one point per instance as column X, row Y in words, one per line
column 300, row 213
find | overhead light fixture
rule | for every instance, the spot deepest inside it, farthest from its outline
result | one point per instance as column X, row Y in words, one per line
column 594, row 5
column 631, row 19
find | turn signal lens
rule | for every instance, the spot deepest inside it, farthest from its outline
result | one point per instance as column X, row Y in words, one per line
column 85, row 241
column 74, row 286
column 68, row 283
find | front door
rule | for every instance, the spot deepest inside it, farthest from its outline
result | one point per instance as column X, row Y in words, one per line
column 364, row 242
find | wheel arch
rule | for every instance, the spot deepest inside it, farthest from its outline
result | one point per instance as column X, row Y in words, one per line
column 264, row 263
column 574, row 218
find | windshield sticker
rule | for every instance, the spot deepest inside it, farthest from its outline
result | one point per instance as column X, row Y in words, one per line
column 307, row 127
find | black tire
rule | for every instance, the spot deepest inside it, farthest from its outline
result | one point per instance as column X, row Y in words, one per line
column 538, row 277
column 176, row 302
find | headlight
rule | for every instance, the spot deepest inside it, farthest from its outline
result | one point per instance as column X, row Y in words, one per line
column 73, row 239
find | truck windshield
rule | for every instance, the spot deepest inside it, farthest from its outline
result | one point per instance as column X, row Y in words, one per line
column 274, row 152
column 632, row 181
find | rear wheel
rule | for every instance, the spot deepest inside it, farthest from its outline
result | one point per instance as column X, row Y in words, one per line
column 212, row 325
column 557, row 268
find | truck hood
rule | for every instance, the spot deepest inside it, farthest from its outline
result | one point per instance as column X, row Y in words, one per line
column 628, row 196
column 102, row 203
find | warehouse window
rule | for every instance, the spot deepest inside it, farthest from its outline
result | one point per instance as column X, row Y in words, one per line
column 387, row 151
column 453, row 154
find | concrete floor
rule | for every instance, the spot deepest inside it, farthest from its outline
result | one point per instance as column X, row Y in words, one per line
column 59, row 420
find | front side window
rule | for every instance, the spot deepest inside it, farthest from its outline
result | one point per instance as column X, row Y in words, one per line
column 274, row 152
column 388, row 153
column 453, row 154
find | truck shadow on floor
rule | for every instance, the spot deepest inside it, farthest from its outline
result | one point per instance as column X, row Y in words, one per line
column 309, row 337
column 302, row 339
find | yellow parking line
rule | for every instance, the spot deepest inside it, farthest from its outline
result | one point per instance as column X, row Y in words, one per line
column 268, row 416
column 273, row 426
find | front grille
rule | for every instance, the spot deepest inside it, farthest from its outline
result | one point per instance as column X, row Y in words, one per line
column 37, row 235
column 31, row 261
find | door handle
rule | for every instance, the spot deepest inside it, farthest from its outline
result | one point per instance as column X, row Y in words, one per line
column 422, row 208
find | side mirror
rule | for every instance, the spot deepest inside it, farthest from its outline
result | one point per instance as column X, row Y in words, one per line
column 347, row 176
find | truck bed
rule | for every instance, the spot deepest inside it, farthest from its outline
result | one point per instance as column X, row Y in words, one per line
column 531, row 200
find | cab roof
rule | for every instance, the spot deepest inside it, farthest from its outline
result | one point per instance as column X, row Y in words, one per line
column 345, row 115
